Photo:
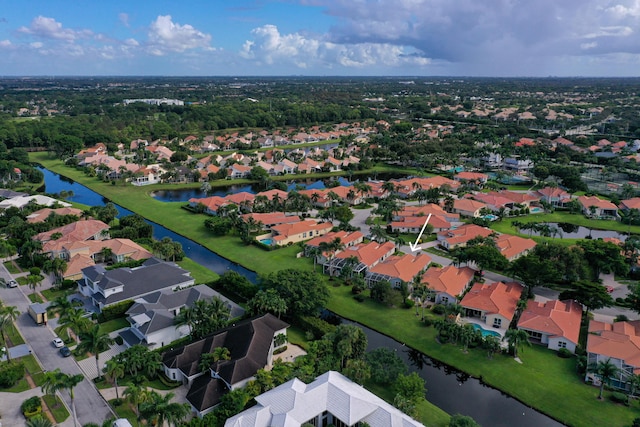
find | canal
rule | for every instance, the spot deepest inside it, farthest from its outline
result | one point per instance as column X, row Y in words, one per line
column 451, row 390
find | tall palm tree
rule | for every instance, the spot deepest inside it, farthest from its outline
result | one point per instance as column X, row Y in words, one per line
column 604, row 370
column 516, row 339
column 57, row 380
column 158, row 409
column 221, row 353
column 33, row 281
column 60, row 305
column 136, row 395
column 74, row 319
column 186, row 316
column 8, row 315
column 114, row 370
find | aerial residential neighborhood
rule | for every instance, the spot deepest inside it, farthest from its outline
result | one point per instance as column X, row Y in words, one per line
column 246, row 275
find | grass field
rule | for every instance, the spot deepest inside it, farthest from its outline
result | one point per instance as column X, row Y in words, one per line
column 57, row 408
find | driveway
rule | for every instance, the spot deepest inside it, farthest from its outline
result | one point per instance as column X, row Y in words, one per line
column 90, row 405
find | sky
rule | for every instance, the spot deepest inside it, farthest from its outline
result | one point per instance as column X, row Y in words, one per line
column 500, row 38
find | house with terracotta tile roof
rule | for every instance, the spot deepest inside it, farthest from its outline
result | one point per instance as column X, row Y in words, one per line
column 270, row 219
column 397, row 269
column 367, row 255
column 476, row 178
column 633, row 203
column 413, row 224
column 238, row 171
column 284, row 234
column 493, row 201
column 318, row 198
column 90, row 229
column 211, row 204
column 42, row 214
column 513, row 247
column 617, row 342
column 554, row 196
column 494, row 304
column 467, row 207
column 521, row 198
column 458, row 238
column 595, row 207
column 448, row 283
column 555, row 324
column 347, row 239
column 425, row 210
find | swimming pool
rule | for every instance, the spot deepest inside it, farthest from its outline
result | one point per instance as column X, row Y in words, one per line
column 267, row 242
column 486, row 332
column 490, row 217
column 536, row 210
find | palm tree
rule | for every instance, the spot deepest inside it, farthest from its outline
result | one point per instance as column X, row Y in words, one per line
column 114, row 370
column 221, row 353
column 57, row 380
column 136, row 395
column 33, row 281
column 38, row 421
column 74, row 319
column 158, row 409
column 8, row 315
column 604, row 370
column 517, row 338
column 60, row 305
column 186, row 316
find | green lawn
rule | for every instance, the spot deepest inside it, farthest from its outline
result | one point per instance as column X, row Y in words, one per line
column 56, row 407
column 51, row 294
column 200, row 273
column 35, row 298
column 114, row 325
column 12, row 267
column 14, row 335
column 125, row 411
column 34, row 368
column 505, row 226
column 544, row 381
column 428, row 413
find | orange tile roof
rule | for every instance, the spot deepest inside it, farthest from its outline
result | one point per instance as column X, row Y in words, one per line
column 403, row 267
column 633, row 203
column 368, row 253
column 468, row 205
column 599, row 203
column 555, row 318
column 418, row 221
column 495, row 298
column 429, row 208
column 471, row 176
column 271, row 218
column 285, row 230
column 494, row 199
column 43, row 214
column 450, row 279
column 345, row 238
column 515, row 196
column 272, row 193
column 79, row 230
column 77, row 263
column 511, row 246
column 620, row 340
column 241, row 197
column 465, row 233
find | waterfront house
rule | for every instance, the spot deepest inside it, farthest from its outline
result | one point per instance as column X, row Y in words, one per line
column 448, row 283
column 553, row 323
column 332, row 399
column 493, row 303
column 595, row 207
column 284, row 234
column 397, row 269
column 458, row 238
column 617, row 342
column 366, row 255
column 468, row 207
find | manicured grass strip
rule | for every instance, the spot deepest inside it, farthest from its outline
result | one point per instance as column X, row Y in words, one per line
column 296, row 336
column 544, row 381
column 200, row 273
column 57, row 408
column 51, row 294
column 428, row 413
column 505, row 226
column 12, row 267
column 19, row 387
column 35, row 298
column 14, row 335
column 34, row 369
column 124, row 411
column 114, row 325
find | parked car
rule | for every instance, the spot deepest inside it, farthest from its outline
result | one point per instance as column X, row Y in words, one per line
column 58, row 343
column 65, row 351
column 12, row 284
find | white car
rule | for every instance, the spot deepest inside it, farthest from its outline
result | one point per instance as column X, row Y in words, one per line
column 58, row 343
column 12, row 284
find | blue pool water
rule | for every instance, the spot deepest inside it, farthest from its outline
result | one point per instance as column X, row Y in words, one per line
column 486, row 332
column 536, row 210
column 267, row 242
column 490, row 217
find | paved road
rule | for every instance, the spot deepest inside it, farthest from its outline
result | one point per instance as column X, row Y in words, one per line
column 90, row 406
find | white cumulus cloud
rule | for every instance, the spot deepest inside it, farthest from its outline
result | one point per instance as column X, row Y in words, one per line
column 166, row 36
column 49, row 28
column 270, row 46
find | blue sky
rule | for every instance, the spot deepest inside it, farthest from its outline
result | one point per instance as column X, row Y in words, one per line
column 321, row 37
